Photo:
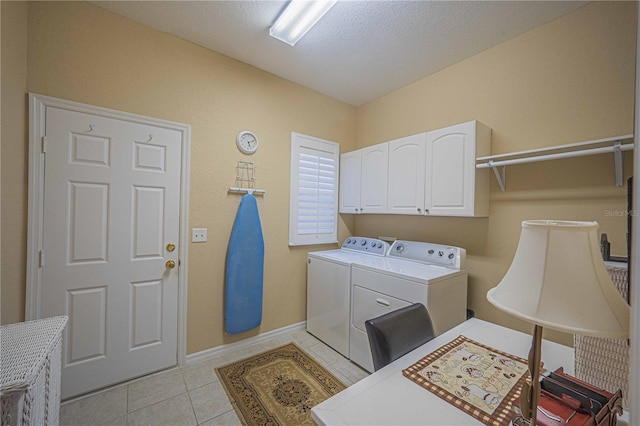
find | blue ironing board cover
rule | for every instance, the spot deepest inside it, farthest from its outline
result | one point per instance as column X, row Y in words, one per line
column 245, row 268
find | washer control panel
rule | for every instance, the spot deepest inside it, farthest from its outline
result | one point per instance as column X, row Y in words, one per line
column 367, row 245
column 429, row 253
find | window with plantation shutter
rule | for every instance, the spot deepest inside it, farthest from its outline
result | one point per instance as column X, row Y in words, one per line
column 313, row 215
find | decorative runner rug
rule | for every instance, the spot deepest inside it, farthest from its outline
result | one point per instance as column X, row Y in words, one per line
column 479, row 380
column 277, row 387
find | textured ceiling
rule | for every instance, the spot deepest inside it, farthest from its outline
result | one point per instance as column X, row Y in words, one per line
column 360, row 50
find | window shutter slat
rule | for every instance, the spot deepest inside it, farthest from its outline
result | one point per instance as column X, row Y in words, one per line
column 314, row 190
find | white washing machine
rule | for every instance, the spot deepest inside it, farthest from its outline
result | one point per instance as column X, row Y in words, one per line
column 431, row 274
column 329, row 289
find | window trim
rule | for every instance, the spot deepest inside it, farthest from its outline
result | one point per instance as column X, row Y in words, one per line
column 300, row 142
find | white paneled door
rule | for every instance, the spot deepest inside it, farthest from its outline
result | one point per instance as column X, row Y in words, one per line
column 110, row 245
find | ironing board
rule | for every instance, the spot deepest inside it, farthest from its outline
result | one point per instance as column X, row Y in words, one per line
column 245, row 267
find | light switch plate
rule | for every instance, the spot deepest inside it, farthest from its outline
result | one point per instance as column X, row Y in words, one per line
column 199, row 235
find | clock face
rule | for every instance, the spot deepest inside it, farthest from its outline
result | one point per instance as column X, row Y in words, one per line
column 247, row 142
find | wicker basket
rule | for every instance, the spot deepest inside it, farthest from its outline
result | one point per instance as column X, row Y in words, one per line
column 602, row 362
column 30, row 368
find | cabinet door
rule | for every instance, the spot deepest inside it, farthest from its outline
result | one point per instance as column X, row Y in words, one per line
column 373, row 186
column 450, row 171
column 350, row 174
column 406, row 175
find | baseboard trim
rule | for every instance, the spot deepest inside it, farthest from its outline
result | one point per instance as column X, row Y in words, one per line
column 212, row 352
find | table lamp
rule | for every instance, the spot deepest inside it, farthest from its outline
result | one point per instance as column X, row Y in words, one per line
column 558, row 280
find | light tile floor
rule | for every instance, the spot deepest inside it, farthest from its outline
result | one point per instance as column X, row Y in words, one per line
column 191, row 395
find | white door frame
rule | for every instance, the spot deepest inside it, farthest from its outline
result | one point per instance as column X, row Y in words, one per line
column 37, row 110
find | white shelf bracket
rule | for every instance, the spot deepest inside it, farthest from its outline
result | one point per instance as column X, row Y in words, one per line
column 617, row 156
column 501, row 177
column 614, row 144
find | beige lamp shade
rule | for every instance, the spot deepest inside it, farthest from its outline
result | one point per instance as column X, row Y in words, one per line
column 558, row 280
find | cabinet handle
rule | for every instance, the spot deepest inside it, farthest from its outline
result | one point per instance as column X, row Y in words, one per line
column 419, row 209
column 383, row 302
column 356, row 209
column 426, row 211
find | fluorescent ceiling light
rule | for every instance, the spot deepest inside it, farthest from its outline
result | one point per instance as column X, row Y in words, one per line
column 298, row 18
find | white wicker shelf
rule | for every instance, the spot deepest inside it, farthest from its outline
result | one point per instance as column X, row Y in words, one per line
column 30, row 367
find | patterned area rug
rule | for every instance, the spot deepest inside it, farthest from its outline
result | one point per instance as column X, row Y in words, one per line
column 477, row 379
column 277, row 387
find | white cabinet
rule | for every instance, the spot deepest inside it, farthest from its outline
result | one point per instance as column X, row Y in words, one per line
column 373, row 180
column 363, row 180
column 350, row 174
column 453, row 185
column 432, row 173
column 406, row 175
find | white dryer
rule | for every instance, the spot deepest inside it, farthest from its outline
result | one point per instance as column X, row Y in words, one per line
column 329, row 288
column 431, row 274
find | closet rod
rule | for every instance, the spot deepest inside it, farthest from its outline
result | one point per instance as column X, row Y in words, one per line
column 570, row 146
column 570, row 154
column 574, row 150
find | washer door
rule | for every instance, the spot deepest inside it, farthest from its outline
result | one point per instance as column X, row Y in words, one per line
column 368, row 304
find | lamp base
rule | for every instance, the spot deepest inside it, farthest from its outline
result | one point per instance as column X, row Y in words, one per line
column 530, row 393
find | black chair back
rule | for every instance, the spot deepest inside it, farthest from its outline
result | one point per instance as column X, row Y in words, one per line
column 397, row 333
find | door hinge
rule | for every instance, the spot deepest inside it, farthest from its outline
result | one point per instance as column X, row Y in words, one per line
column 44, row 144
column 41, row 256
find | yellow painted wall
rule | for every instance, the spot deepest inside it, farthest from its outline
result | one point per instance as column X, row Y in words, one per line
column 568, row 81
column 13, row 120
column 84, row 53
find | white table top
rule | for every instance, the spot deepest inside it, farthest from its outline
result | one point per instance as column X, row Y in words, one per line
column 388, row 398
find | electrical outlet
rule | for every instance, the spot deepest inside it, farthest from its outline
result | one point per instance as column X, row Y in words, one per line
column 199, row 235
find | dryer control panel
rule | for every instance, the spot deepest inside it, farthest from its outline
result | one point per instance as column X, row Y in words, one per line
column 429, row 253
column 366, row 245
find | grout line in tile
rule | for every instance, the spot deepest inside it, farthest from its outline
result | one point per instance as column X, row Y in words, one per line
column 161, row 400
column 304, row 342
column 93, row 393
column 193, row 410
column 215, row 417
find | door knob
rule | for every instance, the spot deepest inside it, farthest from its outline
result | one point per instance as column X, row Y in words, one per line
column 170, row 264
column 171, row 247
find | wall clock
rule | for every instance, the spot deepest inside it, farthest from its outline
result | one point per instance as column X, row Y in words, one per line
column 247, row 142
